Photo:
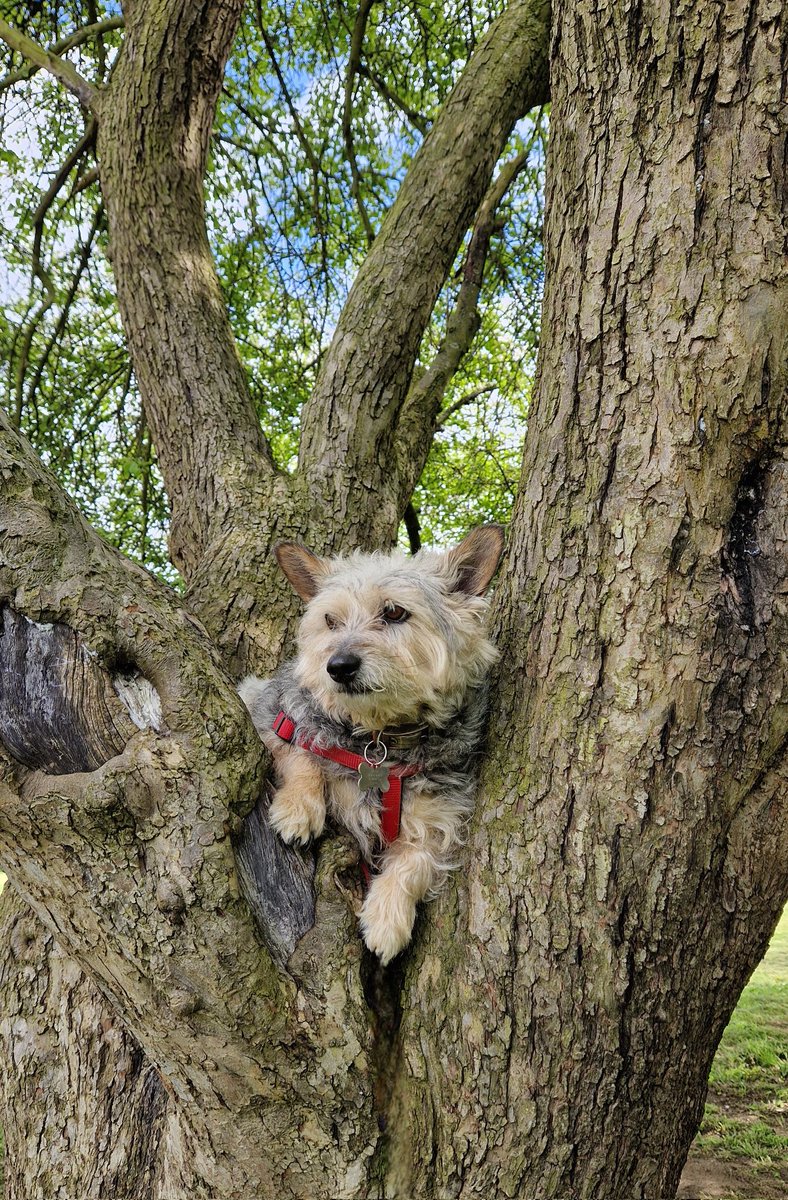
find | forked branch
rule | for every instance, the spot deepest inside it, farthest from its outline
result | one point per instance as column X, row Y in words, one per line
column 347, row 448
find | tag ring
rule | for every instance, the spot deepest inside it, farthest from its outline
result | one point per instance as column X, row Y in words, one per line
column 376, row 762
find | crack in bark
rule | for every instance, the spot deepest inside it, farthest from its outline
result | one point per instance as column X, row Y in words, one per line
column 741, row 546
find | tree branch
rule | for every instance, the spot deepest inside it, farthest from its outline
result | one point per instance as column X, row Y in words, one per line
column 300, row 133
column 154, row 132
column 126, row 753
column 416, row 118
column 347, row 449
column 73, row 157
column 43, row 275
column 312, row 159
column 354, row 60
column 444, row 417
column 419, row 417
column 48, row 60
column 112, row 623
column 96, row 29
column 60, row 324
column 413, row 527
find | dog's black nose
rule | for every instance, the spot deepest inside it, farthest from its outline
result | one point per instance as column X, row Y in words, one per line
column 343, row 667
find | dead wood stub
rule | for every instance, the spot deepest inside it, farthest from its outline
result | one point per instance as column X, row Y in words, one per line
column 58, row 709
column 278, row 883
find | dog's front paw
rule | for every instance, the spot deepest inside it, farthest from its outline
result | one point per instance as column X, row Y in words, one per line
column 297, row 818
column 386, row 918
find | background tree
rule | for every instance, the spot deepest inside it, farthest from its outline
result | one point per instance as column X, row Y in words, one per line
column 551, row 1030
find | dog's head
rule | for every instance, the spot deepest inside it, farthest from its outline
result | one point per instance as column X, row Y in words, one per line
column 386, row 639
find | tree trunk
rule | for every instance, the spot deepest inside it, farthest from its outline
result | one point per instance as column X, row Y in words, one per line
column 630, row 855
column 550, row 1032
column 76, row 1085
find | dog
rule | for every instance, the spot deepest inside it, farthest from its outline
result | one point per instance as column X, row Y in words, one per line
column 379, row 718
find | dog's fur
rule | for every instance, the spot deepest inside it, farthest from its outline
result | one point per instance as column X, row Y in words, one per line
column 421, row 682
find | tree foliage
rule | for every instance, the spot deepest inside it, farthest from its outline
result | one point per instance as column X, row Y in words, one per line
column 321, row 112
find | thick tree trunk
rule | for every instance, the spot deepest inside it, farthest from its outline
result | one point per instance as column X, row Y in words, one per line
column 562, row 1000
column 132, row 865
column 630, row 856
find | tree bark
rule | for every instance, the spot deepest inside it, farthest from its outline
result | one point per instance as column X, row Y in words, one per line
column 553, row 1030
column 154, row 125
column 629, row 859
column 76, row 1085
column 132, row 866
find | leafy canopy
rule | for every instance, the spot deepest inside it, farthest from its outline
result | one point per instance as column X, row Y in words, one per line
column 322, row 109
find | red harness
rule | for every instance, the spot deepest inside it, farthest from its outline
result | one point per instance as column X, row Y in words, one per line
column 390, row 799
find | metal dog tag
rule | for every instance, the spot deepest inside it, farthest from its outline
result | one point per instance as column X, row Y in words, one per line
column 373, row 772
column 373, row 775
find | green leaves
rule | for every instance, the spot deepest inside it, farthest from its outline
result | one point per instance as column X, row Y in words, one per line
column 321, row 113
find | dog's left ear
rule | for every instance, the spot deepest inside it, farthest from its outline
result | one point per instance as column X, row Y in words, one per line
column 304, row 569
column 476, row 559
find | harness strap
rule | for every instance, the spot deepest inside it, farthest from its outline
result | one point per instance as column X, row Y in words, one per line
column 390, row 800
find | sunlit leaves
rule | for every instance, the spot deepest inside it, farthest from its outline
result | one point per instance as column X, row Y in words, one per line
column 313, row 134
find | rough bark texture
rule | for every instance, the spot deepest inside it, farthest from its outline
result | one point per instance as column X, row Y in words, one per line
column 550, row 1032
column 630, row 856
column 82, row 1091
column 132, row 865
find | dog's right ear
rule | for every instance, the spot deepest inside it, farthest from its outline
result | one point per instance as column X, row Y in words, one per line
column 304, row 569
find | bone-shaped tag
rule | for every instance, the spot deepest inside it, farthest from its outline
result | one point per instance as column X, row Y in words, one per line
column 371, row 775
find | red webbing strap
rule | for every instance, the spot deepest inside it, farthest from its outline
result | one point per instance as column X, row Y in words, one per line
column 391, row 809
column 390, row 800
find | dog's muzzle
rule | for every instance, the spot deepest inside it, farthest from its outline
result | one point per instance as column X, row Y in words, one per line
column 343, row 667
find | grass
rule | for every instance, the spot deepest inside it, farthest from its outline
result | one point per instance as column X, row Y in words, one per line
column 745, row 1126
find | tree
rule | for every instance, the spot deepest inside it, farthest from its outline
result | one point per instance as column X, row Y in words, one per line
column 313, row 131
column 551, row 1030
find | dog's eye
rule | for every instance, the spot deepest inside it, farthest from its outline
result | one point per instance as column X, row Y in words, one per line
column 393, row 614
column 331, row 622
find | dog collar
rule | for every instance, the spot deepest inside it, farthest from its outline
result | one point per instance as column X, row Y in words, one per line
column 390, row 788
column 403, row 736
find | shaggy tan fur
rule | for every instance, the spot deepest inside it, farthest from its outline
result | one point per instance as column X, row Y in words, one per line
column 415, row 628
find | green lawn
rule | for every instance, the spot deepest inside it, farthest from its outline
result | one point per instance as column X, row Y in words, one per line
column 743, row 1140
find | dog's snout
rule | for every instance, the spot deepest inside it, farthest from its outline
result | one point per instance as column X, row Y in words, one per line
column 343, row 666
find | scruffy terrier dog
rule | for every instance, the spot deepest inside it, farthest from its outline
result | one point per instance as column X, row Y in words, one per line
column 379, row 717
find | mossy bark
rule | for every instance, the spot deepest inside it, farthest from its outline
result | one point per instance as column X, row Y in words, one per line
column 550, row 1031
column 630, row 854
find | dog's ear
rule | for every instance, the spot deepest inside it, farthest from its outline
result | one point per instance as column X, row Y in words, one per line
column 304, row 569
column 476, row 559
